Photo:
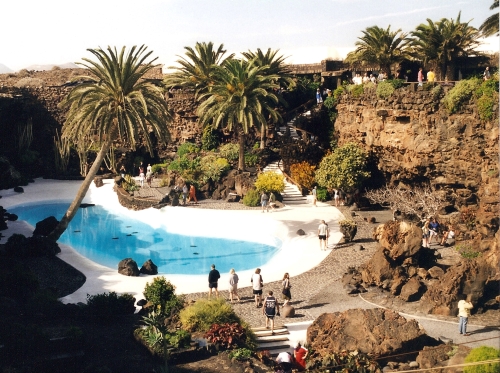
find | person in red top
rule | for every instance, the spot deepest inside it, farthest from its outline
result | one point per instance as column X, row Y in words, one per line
column 300, row 354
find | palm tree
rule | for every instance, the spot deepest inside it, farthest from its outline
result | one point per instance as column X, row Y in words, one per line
column 197, row 68
column 239, row 97
column 382, row 47
column 113, row 103
column 443, row 42
column 275, row 65
column 490, row 25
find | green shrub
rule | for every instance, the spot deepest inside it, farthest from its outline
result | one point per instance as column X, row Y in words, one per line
column 209, row 139
column 252, row 198
column 187, row 148
column 460, row 93
column 230, row 151
column 201, row 315
column 370, row 85
column 385, row 89
column 467, row 251
column 179, row 339
column 344, row 169
column 161, row 293
column 330, row 102
column 436, row 91
column 481, row 354
column 270, row 181
column 486, row 104
column 129, row 184
column 322, row 194
column 356, row 90
column 158, row 167
column 213, row 168
column 303, row 173
column 339, row 91
column 240, row 354
column 251, row 159
column 107, row 306
column 396, row 83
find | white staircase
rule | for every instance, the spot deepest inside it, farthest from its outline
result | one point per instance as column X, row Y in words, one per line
column 291, row 194
column 274, row 343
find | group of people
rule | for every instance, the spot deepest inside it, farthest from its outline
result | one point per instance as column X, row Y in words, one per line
column 286, row 362
column 145, row 176
column 269, row 305
column 267, row 201
column 431, row 230
column 189, row 192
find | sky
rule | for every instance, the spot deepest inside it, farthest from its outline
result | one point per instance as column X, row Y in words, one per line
column 306, row 31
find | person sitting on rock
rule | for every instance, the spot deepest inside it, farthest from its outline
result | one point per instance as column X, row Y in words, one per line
column 448, row 238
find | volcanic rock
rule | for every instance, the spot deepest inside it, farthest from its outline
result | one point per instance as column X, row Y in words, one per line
column 128, row 267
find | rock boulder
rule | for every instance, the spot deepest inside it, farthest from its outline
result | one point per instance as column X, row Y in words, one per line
column 128, row 267
column 149, row 268
column 376, row 331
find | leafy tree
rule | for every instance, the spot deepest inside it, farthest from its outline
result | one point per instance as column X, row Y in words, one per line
column 239, row 97
column 444, row 41
column 274, row 65
column 114, row 103
column 490, row 25
column 382, row 47
column 198, row 67
column 344, row 169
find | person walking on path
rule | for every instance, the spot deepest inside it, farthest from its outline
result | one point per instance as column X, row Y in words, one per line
column 263, row 201
column 486, row 74
column 184, row 193
column 287, row 295
column 123, row 171
column 322, row 235
column 464, row 308
column 233, row 285
column 431, row 76
column 270, row 309
column 257, row 285
column 192, row 194
column 213, row 278
column 315, row 196
column 272, row 201
column 319, row 99
column 336, row 197
column 420, row 77
column 433, row 230
column 425, row 233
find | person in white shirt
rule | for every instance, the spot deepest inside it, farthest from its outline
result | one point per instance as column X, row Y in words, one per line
column 464, row 308
column 284, row 359
column 323, row 235
column 257, row 285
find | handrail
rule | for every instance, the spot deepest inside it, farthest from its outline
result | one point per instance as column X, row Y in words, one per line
column 289, row 178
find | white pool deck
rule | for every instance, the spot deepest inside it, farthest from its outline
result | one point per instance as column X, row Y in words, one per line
column 298, row 254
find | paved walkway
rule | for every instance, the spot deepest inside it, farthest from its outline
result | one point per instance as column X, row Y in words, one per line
column 316, row 286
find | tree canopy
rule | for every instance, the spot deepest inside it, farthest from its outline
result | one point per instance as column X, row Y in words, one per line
column 490, row 25
column 382, row 47
column 444, row 41
column 197, row 67
column 240, row 95
column 115, row 102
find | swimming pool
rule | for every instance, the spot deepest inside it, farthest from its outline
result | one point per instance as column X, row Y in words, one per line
column 106, row 237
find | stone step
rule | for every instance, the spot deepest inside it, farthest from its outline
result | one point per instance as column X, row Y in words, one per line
column 267, row 332
column 274, row 346
column 273, row 338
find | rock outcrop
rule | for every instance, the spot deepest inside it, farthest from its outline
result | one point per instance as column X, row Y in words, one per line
column 377, row 331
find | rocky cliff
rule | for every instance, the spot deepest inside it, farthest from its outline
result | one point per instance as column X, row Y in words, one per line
column 414, row 140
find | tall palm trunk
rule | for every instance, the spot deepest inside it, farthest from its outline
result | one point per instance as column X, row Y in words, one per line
column 241, row 160
column 263, row 130
column 75, row 205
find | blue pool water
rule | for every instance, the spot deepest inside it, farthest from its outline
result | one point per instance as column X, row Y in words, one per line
column 107, row 238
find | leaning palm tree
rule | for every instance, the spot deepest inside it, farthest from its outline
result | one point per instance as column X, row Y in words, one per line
column 382, row 47
column 274, row 65
column 444, row 41
column 490, row 25
column 197, row 68
column 114, row 103
column 239, row 97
